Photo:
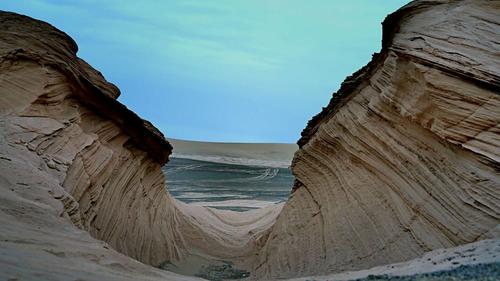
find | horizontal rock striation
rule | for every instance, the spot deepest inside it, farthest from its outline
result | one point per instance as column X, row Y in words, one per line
column 406, row 157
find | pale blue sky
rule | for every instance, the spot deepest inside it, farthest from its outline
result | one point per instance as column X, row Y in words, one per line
column 221, row 70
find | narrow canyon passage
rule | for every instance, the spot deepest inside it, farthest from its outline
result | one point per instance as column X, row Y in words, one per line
column 404, row 160
column 243, row 202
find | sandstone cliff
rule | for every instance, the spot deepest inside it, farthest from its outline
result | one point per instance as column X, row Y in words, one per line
column 406, row 157
column 73, row 156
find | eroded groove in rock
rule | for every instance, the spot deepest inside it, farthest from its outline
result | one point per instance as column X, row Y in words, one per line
column 405, row 158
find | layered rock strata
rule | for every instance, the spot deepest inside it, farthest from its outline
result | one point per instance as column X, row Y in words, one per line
column 106, row 159
column 73, row 156
column 404, row 160
column 406, row 157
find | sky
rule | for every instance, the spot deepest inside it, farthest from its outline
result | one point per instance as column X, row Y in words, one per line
column 221, row 70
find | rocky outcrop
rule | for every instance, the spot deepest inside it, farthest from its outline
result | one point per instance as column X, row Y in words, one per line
column 72, row 154
column 104, row 156
column 406, row 157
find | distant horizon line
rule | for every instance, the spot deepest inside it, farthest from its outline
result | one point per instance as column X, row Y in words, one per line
column 228, row 142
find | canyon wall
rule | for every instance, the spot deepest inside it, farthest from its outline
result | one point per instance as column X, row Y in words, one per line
column 76, row 161
column 105, row 157
column 406, row 157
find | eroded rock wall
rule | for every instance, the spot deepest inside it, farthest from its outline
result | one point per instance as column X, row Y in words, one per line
column 113, row 188
column 74, row 161
column 406, row 157
column 91, row 163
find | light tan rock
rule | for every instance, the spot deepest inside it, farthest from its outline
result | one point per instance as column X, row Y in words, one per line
column 405, row 159
column 74, row 160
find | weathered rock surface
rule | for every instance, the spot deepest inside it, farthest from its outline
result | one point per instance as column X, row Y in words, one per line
column 71, row 155
column 406, row 157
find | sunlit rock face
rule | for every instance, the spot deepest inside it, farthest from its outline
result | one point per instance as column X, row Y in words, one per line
column 405, row 158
